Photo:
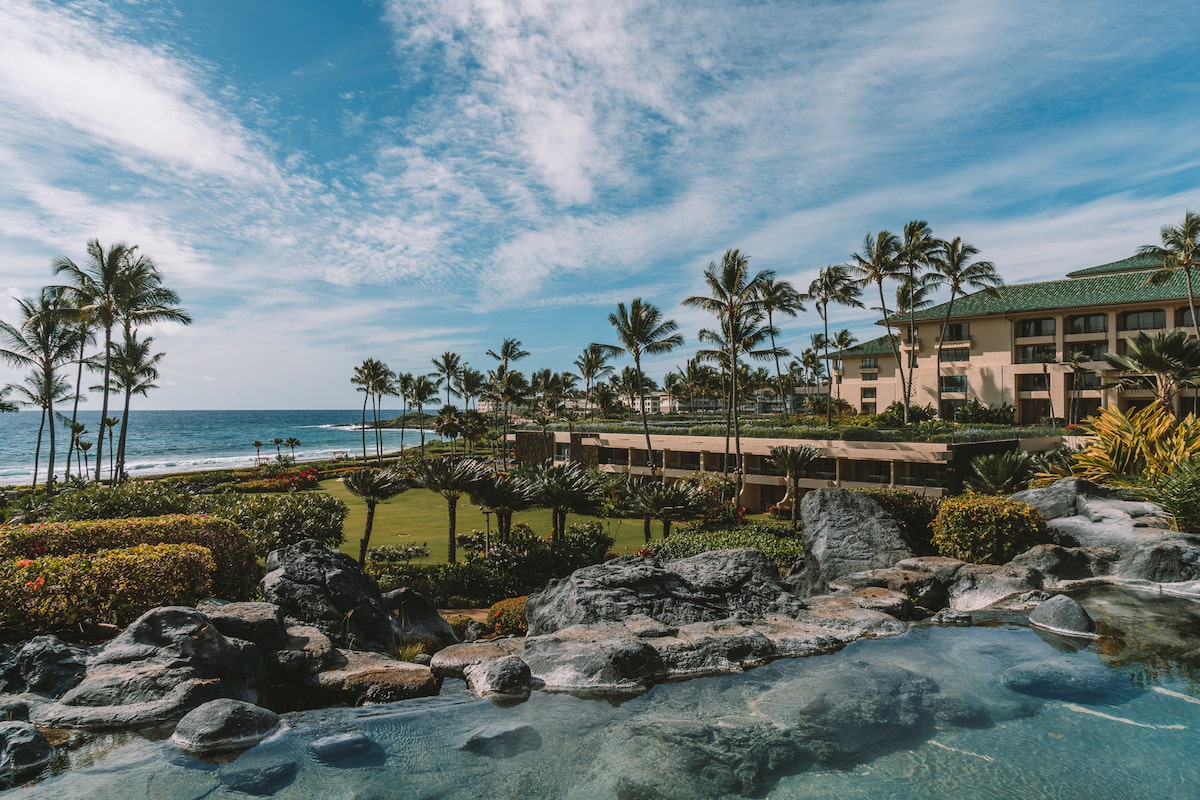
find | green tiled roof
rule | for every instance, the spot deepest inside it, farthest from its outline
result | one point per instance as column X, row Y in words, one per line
column 1133, row 263
column 875, row 347
column 1104, row 289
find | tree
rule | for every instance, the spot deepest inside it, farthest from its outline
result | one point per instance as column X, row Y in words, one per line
column 1077, row 362
column 448, row 423
column 916, row 253
column 1179, row 251
column 748, row 336
column 423, row 391
column 110, row 424
column 955, row 270
column 506, row 388
column 474, row 426
column 134, row 371
column 504, row 494
column 403, row 387
column 793, row 460
column 446, row 367
column 880, row 261
column 1171, row 359
column 842, row 341
column 776, row 295
column 664, row 501
column 510, row 351
column 468, row 384
column 593, row 367
column 6, row 406
column 641, row 330
column 373, row 486
column 44, row 340
column 833, row 284
column 564, row 488
column 1046, row 359
column 257, row 444
column 373, row 378
column 36, row 392
column 451, row 478
column 292, row 443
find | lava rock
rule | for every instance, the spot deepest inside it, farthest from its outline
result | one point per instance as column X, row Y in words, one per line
column 44, row 665
column 342, row 747
column 24, row 752
column 417, row 621
column 1077, row 680
column 844, row 533
column 503, row 740
column 261, row 623
column 222, row 726
column 1062, row 614
column 258, row 779
column 508, row 677
column 363, row 677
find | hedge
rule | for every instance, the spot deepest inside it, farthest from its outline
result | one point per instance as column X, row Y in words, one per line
column 56, row 592
column 237, row 572
column 776, row 543
column 278, row 520
column 985, row 529
column 508, row 617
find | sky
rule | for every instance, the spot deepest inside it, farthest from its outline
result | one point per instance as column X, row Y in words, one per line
column 324, row 182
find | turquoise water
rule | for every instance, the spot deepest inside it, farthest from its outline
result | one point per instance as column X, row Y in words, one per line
column 185, row 441
column 1131, row 729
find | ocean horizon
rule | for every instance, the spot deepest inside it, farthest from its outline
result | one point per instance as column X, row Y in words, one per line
column 164, row 442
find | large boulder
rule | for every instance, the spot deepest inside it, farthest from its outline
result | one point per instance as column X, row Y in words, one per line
column 328, row 589
column 417, row 621
column 358, row 678
column 222, row 726
column 43, row 665
column 602, row 659
column 712, row 586
column 1062, row 614
column 24, row 752
column 845, row 533
column 978, row 586
column 261, row 623
column 167, row 662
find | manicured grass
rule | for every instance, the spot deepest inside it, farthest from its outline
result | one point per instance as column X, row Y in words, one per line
column 418, row 516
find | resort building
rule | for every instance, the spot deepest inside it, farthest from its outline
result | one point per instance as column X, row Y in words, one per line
column 1013, row 348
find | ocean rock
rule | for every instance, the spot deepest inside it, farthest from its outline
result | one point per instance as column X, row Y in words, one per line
column 1079, row 680
column 44, row 665
column 306, row 650
column 417, row 621
column 1062, row 614
column 707, row 587
column 1172, row 559
column 167, row 662
column 845, row 533
column 503, row 740
column 364, row 677
column 24, row 752
column 261, row 623
column 951, row 616
column 327, row 589
column 846, row 618
column 222, row 726
column 711, row 648
column 1060, row 564
column 507, row 677
column 260, row 779
column 346, row 749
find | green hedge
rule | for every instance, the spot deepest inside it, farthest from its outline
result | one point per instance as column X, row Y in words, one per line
column 278, row 520
column 237, row 572
column 776, row 543
column 984, row 529
column 508, row 617
column 58, row 592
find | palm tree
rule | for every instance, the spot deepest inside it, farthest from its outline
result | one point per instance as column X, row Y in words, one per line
column 842, row 341
column 1076, row 361
column 448, row 423
column 424, row 391
column 446, row 367
column 641, row 329
column 403, row 387
column 37, row 392
column 734, row 295
column 1180, row 250
column 6, row 406
column 258, row 445
column 776, row 295
column 793, row 460
column 468, row 383
column 292, row 443
column 954, row 269
column 84, row 446
column 44, row 341
column 510, row 351
column 473, row 426
column 833, row 284
column 665, row 501
column 506, row 388
column 110, row 424
column 373, row 379
column 504, row 494
column 879, row 261
column 1046, row 359
column 451, row 478
column 278, row 442
column 749, row 335
column 593, row 366
column 564, row 488
column 134, row 371
column 916, row 253
column 374, row 486
column 1171, row 358
column 1002, row 474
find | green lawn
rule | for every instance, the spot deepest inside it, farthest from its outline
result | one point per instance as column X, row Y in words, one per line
column 418, row 516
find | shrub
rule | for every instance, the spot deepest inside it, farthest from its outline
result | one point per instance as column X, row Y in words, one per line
column 1001, row 473
column 508, row 617
column 133, row 499
column 115, row 587
column 777, row 543
column 279, row 520
column 986, row 530
column 1179, row 496
column 237, row 573
column 458, row 623
column 914, row 513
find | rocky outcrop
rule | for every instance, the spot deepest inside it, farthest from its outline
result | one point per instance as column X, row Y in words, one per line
column 356, row 678
column 845, row 533
column 261, row 623
column 417, row 622
column 222, row 726
column 327, row 589
column 167, row 662
column 504, row 678
column 43, row 665
column 24, row 752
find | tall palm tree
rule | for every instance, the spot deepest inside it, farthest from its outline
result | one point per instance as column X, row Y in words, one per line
column 593, row 366
column 374, row 486
column 424, row 390
column 1172, row 359
column 258, row 445
column 403, row 387
column 955, row 270
column 134, row 371
column 880, row 261
column 448, row 423
column 917, row 250
column 44, row 340
column 733, row 295
column 1046, row 359
column 504, row 494
column 446, row 367
column 833, row 284
column 278, row 442
column 749, row 335
column 6, row 406
column 36, row 392
column 641, row 330
column 842, row 341
column 451, row 478
column 468, row 384
column 1076, row 361
column 793, row 460
column 510, row 351
column 292, row 443
column 506, row 388
column 778, row 296
column 1180, row 250
column 373, row 378
column 110, row 424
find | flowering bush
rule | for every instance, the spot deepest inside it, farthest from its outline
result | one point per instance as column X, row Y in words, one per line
column 508, row 617
column 984, row 529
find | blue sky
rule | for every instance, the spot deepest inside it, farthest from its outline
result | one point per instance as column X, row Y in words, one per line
column 328, row 181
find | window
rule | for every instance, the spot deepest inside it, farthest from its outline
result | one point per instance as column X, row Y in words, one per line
column 1183, row 318
column 1094, row 351
column 869, row 394
column 1088, row 323
column 956, row 354
column 1083, row 380
column 868, row 408
column 870, row 363
column 1036, row 327
column 1035, row 353
column 953, row 383
column 957, row 332
column 1149, row 320
column 1032, row 383
column 870, row 376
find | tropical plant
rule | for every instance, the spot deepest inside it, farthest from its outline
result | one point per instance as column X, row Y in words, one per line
column 776, row 295
column 1001, row 473
column 986, row 530
column 1171, row 358
column 564, row 488
column 665, row 501
column 448, row 423
column 1046, row 359
column 793, row 460
column 446, row 367
column 292, row 443
column 503, row 494
column 880, row 261
column 1136, row 449
column 505, row 386
column 6, row 406
column 833, row 284
column 37, row 393
column 451, row 478
column 258, row 445
column 1179, row 495
column 134, row 371
column 468, row 384
column 593, row 366
column 956, row 271
column 1179, row 251
column 917, row 252
column 423, row 391
column 373, row 486
column 1077, row 363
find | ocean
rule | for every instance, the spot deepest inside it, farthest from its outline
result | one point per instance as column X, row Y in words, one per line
column 189, row 441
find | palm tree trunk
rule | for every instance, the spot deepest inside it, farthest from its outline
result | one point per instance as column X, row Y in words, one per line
column 452, row 543
column 121, row 441
column 795, row 479
column 403, row 419
column 366, row 537
column 50, row 417
column 637, row 365
column 364, row 425
column 940, row 344
column 828, row 367
column 887, row 323
column 37, row 451
column 75, row 407
column 646, row 527
column 104, row 401
column 421, row 423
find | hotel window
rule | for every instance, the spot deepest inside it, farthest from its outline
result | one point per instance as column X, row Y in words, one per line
column 1032, row 383
column 1149, row 320
column 870, row 363
column 1036, row 327
column 956, row 354
column 953, row 383
column 868, row 408
column 870, row 376
column 957, row 332
column 1034, row 353
column 869, row 394
column 1183, row 318
column 1088, row 323
column 1086, row 380
column 1093, row 351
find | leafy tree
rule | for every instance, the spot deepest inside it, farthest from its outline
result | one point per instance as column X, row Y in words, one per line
column 292, row 443
column 374, row 486
column 593, row 366
column 504, row 494
column 1001, row 473
column 423, row 391
column 134, row 371
column 793, row 460
column 565, row 488
column 880, row 261
column 446, row 367
column 451, row 478
column 666, row 501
